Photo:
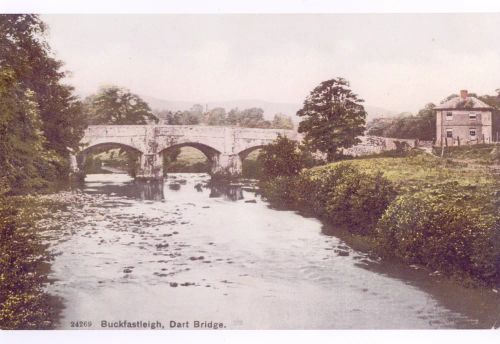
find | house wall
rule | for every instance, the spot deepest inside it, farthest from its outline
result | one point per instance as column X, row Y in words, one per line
column 461, row 125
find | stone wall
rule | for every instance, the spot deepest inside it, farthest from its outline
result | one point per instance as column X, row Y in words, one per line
column 376, row 144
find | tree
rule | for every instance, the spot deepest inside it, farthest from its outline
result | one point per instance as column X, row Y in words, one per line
column 24, row 160
column 234, row 117
column 253, row 118
column 282, row 121
column 25, row 51
column 216, row 116
column 333, row 117
column 283, row 157
column 115, row 105
column 422, row 126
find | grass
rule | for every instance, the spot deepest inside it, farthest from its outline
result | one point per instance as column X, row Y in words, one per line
column 419, row 171
column 484, row 154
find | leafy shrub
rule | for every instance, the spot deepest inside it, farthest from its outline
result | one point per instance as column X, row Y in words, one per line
column 283, row 157
column 280, row 191
column 339, row 193
column 251, row 169
column 448, row 229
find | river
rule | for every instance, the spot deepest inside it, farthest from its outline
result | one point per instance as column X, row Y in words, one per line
column 183, row 252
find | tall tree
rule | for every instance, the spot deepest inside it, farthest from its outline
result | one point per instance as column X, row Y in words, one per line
column 115, row 105
column 333, row 117
column 25, row 51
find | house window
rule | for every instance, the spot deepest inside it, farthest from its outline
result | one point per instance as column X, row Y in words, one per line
column 449, row 116
column 472, row 116
column 472, row 133
column 449, row 133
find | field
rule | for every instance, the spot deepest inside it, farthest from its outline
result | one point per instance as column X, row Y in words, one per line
column 419, row 171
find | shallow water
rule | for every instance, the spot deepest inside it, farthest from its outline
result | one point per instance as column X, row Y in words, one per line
column 184, row 252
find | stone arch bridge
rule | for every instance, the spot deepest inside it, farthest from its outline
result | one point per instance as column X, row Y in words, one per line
column 225, row 147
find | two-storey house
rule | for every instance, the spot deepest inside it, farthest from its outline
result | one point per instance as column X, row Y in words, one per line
column 463, row 120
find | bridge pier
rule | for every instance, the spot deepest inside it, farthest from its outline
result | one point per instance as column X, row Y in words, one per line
column 227, row 166
column 151, row 167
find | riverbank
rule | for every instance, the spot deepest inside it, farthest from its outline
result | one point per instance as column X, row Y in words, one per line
column 24, row 258
column 436, row 213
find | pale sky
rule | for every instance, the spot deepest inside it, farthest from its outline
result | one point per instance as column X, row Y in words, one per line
column 398, row 62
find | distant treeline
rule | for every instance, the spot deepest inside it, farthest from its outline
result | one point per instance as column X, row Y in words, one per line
column 248, row 118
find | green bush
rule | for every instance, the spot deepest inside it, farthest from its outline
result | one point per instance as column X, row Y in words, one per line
column 283, row 157
column 341, row 194
column 251, row 169
column 280, row 191
column 452, row 230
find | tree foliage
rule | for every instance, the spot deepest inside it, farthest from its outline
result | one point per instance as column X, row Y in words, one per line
column 333, row 117
column 422, row 126
column 23, row 158
column 246, row 118
column 283, row 157
column 25, row 51
column 115, row 105
column 281, row 121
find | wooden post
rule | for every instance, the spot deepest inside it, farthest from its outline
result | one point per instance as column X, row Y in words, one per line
column 458, row 140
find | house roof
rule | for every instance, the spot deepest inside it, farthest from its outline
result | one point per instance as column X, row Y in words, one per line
column 462, row 103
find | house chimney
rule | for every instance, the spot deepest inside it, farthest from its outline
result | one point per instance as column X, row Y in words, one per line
column 464, row 94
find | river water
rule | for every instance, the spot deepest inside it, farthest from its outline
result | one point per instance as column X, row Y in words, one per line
column 183, row 252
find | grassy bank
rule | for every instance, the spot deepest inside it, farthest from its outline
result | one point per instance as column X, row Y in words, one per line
column 438, row 213
column 484, row 154
column 23, row 302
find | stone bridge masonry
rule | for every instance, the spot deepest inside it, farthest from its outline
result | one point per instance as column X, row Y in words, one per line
column 225, row 147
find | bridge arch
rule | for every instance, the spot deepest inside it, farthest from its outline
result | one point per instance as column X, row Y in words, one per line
column 82, row 157
column 244, row 153
column 207, row 150
column 211, row 154
column 108, row 145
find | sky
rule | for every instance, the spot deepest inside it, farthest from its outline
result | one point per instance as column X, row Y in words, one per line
column 397, row 62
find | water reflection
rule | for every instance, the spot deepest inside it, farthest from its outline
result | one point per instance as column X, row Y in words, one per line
column 154, row 190
column 151, row 191
column 227, row 191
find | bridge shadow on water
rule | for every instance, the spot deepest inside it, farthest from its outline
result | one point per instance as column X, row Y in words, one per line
column 158, row 190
